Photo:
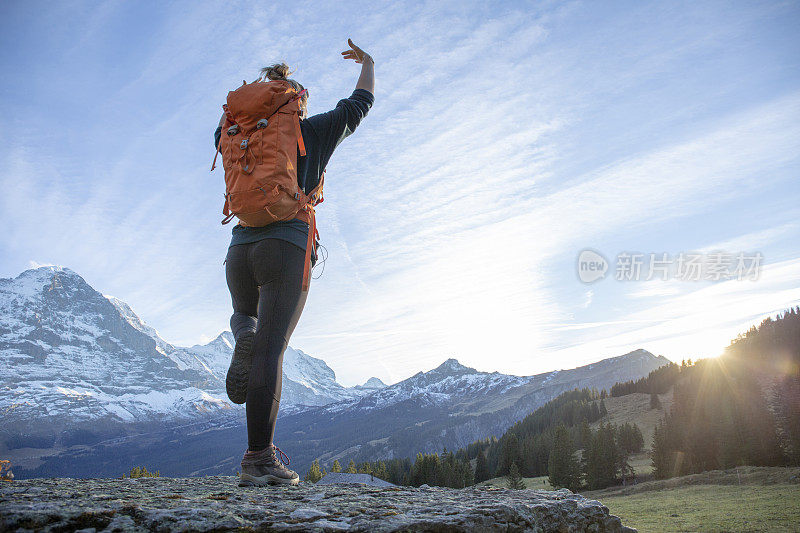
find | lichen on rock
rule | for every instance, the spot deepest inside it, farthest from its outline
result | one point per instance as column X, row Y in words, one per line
column 216, row 503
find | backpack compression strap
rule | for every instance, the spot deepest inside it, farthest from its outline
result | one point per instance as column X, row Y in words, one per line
column 307, row 214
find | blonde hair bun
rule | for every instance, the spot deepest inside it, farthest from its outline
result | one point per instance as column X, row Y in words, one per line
column 278, row 71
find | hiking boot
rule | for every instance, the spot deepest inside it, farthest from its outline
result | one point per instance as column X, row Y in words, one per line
column 263, row 468
column 239, row 371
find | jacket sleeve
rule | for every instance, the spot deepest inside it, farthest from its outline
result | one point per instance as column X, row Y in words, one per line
column 334, row 126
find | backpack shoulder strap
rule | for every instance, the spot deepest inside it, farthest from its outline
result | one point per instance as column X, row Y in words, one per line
column 301, row 145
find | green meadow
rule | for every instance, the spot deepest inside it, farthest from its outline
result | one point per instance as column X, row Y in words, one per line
column 750, row 499
column 730, row 508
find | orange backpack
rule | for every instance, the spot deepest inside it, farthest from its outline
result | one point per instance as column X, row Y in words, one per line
column 259, row 145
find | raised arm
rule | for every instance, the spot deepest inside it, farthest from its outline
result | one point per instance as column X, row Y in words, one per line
column 333, row 126
column 366, row 80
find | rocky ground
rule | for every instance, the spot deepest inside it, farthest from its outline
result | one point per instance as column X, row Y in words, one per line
column 215, row 503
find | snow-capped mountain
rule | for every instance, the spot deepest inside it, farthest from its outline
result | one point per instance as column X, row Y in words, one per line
column 372, row 384
column 307, row 380
column 83, row 375
column 70, row 354
column 446, row 407
column 436, row 387
column 468, row 391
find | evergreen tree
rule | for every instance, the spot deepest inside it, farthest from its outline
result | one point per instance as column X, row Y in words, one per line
column 601, row 459
column 788, row 412
column 660, row 453
column 481, row 468
column 351, row 467
column 655, row 403
column 509, row 453
column 719, row 418
column 629, row 438
column 425, row 469
column 381, row 471
column 314, row 474
column 611, row 455
column 603, row 410
column 595, row 413
column 637, row 439
column 585, row 435
column 514, row 478
column 589, row 461
column 563, row 468
column 137, row 472
column 529, row 457
column 336, row 466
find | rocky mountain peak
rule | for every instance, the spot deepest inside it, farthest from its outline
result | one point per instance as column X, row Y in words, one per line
column 639, row 352
column 70, row 353
column 372, row 383
column 53, row 282
column 451, row 366
column 224, row 340
column 641, row 356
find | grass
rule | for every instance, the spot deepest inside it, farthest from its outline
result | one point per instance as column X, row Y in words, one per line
column 540, row 482
column 642, row 463
column 744, row 499
column 730, row 508
column 748, row 498
column 635, row 408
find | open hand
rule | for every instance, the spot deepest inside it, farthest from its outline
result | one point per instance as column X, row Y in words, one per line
column 356, row 53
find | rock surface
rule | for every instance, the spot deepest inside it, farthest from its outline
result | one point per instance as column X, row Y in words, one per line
column 215, row 503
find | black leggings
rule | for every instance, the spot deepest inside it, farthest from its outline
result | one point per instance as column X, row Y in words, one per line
column 265, row 279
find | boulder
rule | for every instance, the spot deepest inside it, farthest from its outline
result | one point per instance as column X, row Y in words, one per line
column 217, row 503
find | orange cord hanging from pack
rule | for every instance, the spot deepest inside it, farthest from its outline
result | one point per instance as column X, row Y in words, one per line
column 307, row 214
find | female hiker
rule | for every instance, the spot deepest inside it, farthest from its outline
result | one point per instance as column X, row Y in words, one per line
column 264, row 269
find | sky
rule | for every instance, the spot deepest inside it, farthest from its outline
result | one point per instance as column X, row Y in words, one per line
column 505, row 139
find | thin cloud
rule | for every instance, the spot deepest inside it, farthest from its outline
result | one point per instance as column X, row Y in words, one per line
column 502, row 141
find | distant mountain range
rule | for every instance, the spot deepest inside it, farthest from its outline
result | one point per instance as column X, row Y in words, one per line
column 70, row 354
column 447, row 407
column 87, row 388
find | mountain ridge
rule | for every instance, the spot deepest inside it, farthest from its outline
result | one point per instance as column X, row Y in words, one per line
column 69, row 351
column 117, row 376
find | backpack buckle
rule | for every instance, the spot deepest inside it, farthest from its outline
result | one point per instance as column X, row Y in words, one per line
column 233, row 130
column 261, row 124
column 243, row 144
